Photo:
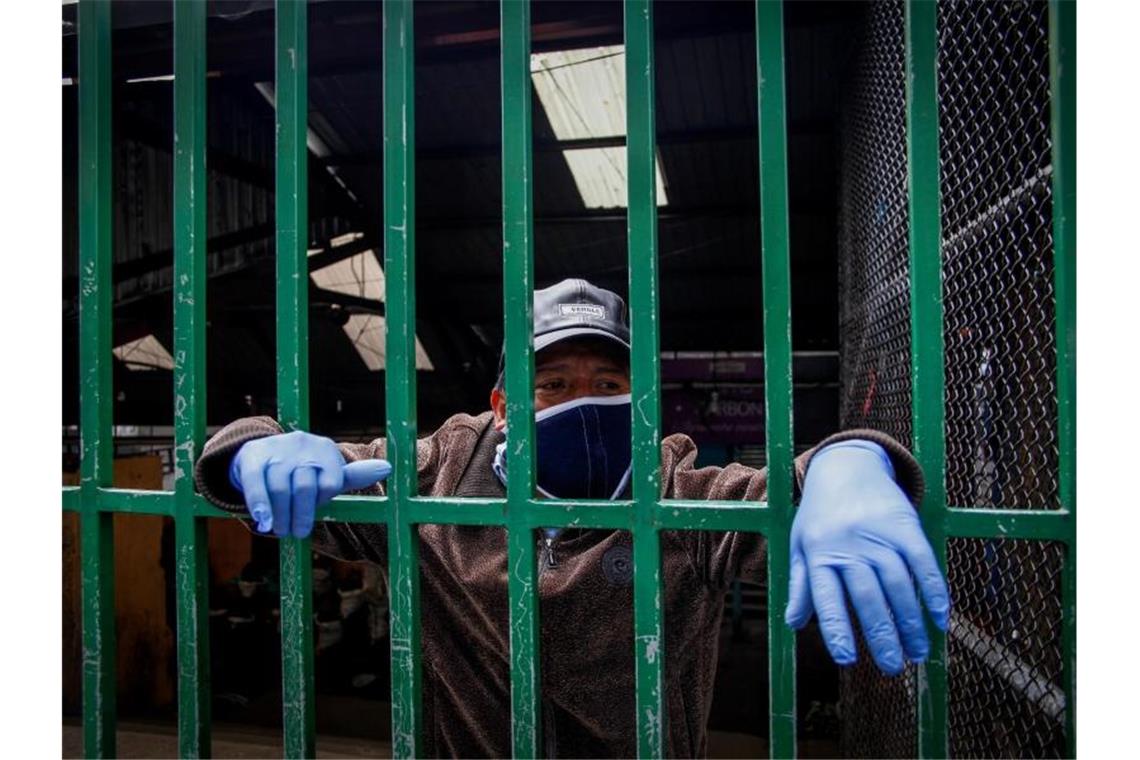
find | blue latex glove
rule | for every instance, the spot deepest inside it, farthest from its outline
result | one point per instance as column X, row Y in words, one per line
column 856, row 530
column 284, row 478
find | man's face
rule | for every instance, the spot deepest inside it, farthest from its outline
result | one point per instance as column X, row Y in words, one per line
column 572, row 369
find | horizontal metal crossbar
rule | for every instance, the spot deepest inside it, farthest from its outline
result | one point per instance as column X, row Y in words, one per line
column 670, row 514
column 1039, row 525
column 71, row 498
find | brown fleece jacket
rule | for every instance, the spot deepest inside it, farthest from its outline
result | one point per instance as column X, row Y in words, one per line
column 586, row 594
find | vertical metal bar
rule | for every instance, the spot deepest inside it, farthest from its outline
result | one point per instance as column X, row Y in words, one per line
column 296, row 566
column 927, row 370
column 645, row 376
column 518, row 309
column 774, row 243
column 95, row 304
column 400, row 372
column 1063, row 110
column 190, row 535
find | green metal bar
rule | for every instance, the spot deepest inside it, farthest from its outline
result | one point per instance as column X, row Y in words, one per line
column 203, row 508
column 95, row 357
column 1042, row 525
column 400, row 373
column 750, row 519
column 648, row 611
column 296, row 567
column 1063, row 108
column 926, row 336
column 473, row 512
column 136, row 502
column 359, row 509
column 1069, row 642
column 190, row 535
column 518, row 310
column 71, row 499
column 579, row 514
column 1063, row 101
column 539, row 513
column 720, row 519
column 777, row 367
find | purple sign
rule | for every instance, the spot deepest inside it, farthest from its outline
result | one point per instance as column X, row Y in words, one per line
column 718, row 414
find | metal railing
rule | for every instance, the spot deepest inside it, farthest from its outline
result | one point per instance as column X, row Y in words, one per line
column 402, row 510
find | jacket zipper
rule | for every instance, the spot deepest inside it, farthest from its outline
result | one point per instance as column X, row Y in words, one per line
column 551, row 561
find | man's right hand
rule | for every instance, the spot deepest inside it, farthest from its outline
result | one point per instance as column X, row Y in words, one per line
column 284, row 478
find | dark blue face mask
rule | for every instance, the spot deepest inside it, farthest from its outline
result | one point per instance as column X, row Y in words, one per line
column 583, row 448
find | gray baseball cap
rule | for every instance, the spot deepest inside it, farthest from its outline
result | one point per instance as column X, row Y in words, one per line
column 575, row 308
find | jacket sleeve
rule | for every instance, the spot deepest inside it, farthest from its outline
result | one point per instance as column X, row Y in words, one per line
column 346, row 541
column 721, row 556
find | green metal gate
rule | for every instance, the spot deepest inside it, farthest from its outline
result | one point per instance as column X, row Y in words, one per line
column 402, row 510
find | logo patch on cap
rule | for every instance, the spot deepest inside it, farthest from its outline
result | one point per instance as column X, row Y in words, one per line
column 583, row 310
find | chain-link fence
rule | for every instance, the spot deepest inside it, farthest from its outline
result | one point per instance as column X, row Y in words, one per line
column 1004, row 652
column 878, row 714
column 997, row 249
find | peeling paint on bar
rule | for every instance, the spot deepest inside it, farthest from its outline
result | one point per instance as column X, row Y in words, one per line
column 189, row 192
column 1063, row 111
column 296, row 569
column 134, row 501
column 1047, row 525
column 95, row 319
column 400, row 373
column 927, row 367
column 776, row 518
column 518, row 288
column 645, row 379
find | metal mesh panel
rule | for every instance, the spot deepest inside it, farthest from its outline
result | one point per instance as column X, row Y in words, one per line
column 1003, row 651
column 873, row 228
column 878, row 713
column 997, row 247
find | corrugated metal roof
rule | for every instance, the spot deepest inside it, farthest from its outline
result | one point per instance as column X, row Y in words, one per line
column 706, row 124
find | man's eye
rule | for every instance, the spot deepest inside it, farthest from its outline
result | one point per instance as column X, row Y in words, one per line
column 551, row 385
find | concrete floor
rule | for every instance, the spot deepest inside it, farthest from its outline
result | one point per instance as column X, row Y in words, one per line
column 354, row 727
column 150, row 740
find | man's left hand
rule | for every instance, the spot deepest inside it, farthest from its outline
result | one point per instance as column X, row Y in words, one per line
column 855, row 530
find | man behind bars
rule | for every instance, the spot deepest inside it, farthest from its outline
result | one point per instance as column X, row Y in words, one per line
column 855, row 531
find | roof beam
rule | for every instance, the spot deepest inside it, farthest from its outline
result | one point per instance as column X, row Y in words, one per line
column 335, row 253
column 164, row 259
column 615, row 216
column 344, row 37
column 802, row 127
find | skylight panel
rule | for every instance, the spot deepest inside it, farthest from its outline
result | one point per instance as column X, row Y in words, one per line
column 600, row 175
column 583, row 95
column 359, row 275
column 366, row 331
column 144, row 354
column 582, row 91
